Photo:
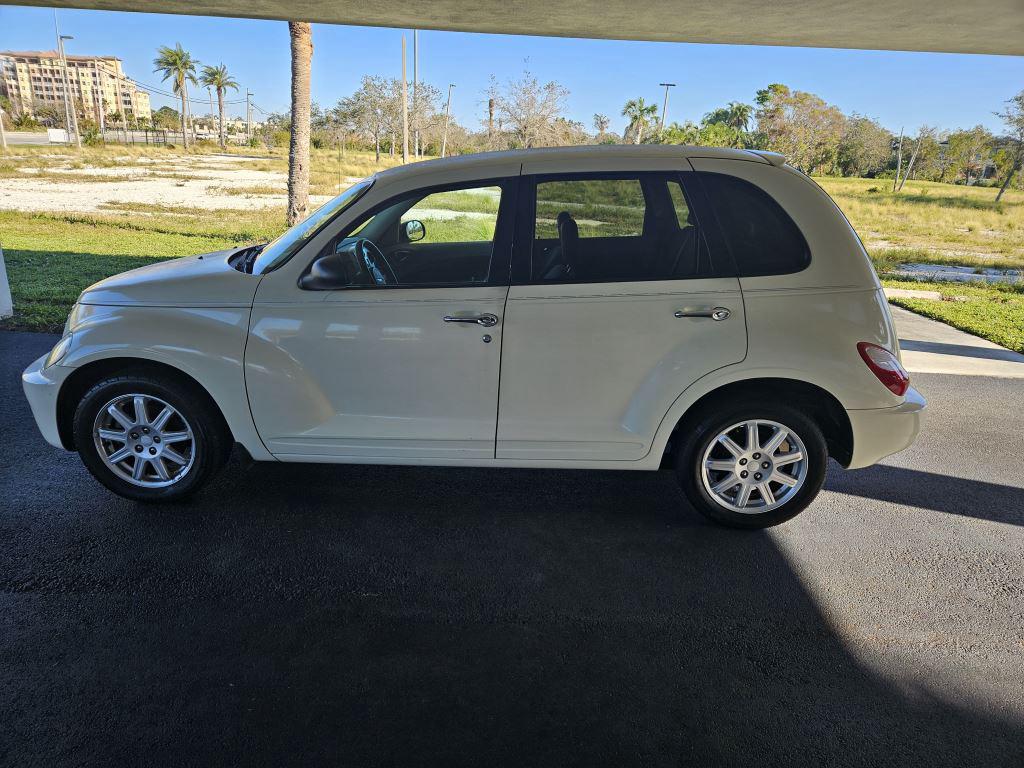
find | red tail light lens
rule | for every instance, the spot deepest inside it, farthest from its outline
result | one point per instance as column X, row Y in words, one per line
column 885, row 366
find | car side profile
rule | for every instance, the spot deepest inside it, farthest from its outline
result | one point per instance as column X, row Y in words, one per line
column 706, row 311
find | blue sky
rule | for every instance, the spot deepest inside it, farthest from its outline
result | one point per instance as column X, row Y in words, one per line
column 897, row 88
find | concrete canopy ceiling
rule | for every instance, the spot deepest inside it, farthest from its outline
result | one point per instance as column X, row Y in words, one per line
column 960, row 26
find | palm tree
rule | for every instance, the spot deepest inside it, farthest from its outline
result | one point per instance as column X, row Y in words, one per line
column 218, row 77
column 639, row 113
column 301, row 34
column 177, row 65
column 739, row 115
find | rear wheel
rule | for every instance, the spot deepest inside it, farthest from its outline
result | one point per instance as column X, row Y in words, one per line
column 752, row 465
column 148, row 438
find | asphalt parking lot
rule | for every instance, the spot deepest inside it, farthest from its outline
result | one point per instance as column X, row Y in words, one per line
column 404, row 616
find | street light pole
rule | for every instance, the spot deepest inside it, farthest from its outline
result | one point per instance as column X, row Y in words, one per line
column 67, row 86
column 664, row 105
column 248, row 116
column 405, row 109
column 447, row 112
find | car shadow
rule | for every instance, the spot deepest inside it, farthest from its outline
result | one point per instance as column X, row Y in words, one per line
column 362, row 615
column 931, row 490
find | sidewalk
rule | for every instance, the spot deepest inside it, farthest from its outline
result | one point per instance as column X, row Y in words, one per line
column 929, row 346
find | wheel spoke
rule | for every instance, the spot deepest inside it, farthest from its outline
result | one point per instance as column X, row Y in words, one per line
column 160, row 467
column 119, row 416
column 139, row 403
column 787, row 458
column 752, row 441
column 766, row 493
column 118, row 436
column 137, row 470
column 743, row 496
column 175, row 437
column 719, row 465
column 730, row 445
column 173, row 455
column 779, row 477
column 775, row 441
column 725, row 484
column 161, row 419
column 119, row 455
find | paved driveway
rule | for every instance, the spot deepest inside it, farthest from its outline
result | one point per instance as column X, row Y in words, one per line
column 391, row 616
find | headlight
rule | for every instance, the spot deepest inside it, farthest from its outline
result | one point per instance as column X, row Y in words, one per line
column 59, row 350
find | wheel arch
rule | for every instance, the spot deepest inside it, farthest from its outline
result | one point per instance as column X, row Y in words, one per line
column 85, row 376
column 827, row 412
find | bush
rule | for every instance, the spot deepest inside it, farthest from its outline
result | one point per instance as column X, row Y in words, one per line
column 254, row 142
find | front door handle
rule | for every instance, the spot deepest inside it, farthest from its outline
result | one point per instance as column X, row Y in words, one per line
column 715, row 313
column 487, row 320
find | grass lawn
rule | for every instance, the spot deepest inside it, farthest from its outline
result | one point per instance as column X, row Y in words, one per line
column 994, row 312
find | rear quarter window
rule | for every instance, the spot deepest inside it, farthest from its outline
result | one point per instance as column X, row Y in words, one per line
column 761, row 236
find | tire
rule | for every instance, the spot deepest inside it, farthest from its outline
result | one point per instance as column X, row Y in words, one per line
column 191, row 445
column 701, row 444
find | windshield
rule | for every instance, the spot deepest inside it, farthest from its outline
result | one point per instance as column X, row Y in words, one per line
column 278, row 251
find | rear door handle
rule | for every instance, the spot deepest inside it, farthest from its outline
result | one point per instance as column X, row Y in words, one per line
column 487, row 320
column 715, row 313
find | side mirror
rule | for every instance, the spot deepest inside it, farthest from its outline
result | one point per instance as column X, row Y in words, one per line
column 326, row 273
column 413, row 230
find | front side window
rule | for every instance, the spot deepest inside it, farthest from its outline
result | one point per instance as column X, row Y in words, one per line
column 436, row 237
column 761, row 236
column 615, row 228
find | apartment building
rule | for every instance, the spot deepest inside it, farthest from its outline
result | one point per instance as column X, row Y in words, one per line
column 35, row 79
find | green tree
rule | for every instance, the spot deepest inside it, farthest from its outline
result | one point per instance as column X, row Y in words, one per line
column 218, row 79
column 177, row 65
column 865, row 147
column 968, row 151
column 639, row 113
column 1013, row 119
column 801, row 126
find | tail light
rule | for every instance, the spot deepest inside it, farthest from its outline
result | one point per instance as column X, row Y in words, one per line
column 885, row 366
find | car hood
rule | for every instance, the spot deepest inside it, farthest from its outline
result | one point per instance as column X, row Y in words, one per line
column 194, row 281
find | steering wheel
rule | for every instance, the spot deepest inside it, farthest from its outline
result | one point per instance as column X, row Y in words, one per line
column 374, row 261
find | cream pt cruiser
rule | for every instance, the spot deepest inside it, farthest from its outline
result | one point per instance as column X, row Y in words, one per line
column 706, row 311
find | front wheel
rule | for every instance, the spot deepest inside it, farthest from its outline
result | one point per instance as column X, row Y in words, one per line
column 149, row 438
column 752, row 465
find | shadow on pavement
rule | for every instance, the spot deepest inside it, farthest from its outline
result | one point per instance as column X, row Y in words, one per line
column 960, row 350
column 402, row 616
column 930, row 490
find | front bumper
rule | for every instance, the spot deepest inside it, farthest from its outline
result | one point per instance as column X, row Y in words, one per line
column 41, row 388
column 881, row 432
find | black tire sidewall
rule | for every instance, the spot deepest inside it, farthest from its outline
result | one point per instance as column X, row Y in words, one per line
column 688, row 467
column 209, row 443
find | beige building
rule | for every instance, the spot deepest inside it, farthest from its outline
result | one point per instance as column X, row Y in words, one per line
column 35, row 79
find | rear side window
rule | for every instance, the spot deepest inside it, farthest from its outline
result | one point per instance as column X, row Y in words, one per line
column 762, row 238
column 616, row 227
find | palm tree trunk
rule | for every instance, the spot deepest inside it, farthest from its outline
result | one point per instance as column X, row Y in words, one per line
column 184, row 104
column 301, row 34
column 220, row 116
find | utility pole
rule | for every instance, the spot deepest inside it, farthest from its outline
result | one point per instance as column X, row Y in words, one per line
column 415, row 88
column 3, row 134
column 405, row 109
column 248, row 115
column 447, row 112
column 120, row 103
column 67, row 85
column 212, row 113
column 664, row 105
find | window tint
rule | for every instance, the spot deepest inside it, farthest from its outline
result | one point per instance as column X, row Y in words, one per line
column 617, row 228
column 436, row 237
column 762, row 237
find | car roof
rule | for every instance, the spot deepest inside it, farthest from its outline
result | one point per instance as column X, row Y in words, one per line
column 557, row 154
